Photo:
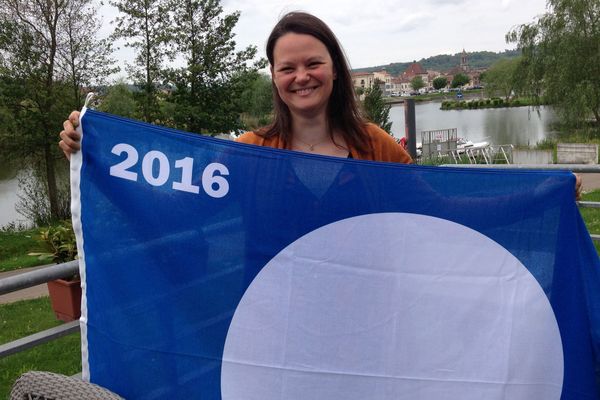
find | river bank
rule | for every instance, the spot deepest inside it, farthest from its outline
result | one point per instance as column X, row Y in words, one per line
column 437, row 97
column 494, row 102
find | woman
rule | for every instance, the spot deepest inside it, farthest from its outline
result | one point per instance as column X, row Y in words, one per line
column 315, row 107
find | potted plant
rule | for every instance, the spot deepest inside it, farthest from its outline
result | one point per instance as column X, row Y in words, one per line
column 65, row 294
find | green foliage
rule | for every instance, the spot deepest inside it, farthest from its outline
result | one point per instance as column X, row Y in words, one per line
column 119, row 100
column 38, row 83
column 460, row 80
column 503, row 77
column 208, row 90
column 59, row 243
column 495, row 102
column 147, row 28
column 27, row 317
column 86, row 57
column 445, row 62
column 34, row 203
column 561, row 59
column 440, row 82
column 417, row 83
column 257, row 97
column 376, row 109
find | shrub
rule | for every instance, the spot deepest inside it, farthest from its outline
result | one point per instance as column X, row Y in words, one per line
column 59, row 242
column 33, row 201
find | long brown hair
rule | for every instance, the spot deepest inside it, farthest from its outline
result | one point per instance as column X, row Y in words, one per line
column 343, row 113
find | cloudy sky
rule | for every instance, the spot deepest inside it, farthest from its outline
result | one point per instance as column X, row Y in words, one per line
column 378, row 32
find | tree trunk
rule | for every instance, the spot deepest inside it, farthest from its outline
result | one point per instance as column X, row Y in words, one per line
column 51, row 182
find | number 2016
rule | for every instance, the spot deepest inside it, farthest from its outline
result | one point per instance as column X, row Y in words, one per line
column 213, row 185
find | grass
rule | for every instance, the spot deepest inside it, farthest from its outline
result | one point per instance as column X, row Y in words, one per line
column 14, row 247
column 591, row 216
column 24, row 318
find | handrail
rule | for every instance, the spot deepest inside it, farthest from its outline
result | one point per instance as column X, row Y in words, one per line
column 32, row 278
column 583, row 168
column 38, row 338
column 39, row 276
column 588, row 204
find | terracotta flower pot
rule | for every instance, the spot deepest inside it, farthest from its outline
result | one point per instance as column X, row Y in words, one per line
column 65, row 297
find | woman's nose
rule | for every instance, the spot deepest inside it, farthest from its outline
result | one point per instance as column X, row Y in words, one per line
column 302, row 76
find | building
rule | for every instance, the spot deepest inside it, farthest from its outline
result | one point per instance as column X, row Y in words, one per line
column 366, row 80
column 401, row 84
column 474, row 74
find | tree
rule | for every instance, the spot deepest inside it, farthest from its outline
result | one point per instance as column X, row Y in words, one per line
column 561, row 58
column 208, row 89
column 376, row 109
column 29, row 54
column 33, row 84
column 147, row 28
column 119, row 100
column 417, row 83
column 460, row 80
column 85, row 60
column 502, row 77
column 440, row 82
column 257, row 97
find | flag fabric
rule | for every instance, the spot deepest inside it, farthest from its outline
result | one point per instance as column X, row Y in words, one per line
column 218, row 270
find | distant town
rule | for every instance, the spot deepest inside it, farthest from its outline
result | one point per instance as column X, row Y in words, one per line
column 401, row 85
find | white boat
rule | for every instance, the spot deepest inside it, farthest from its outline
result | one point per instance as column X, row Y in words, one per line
column 463, row 145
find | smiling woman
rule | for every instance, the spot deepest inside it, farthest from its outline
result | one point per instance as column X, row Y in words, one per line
column 315, row 106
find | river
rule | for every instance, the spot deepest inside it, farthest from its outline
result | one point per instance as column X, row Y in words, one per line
column 518, row 126
column 8, row 199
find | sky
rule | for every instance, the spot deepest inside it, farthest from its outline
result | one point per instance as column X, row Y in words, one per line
column 380, row 32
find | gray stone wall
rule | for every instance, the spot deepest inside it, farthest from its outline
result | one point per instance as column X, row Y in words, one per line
column 532, row 156
column 577, row 153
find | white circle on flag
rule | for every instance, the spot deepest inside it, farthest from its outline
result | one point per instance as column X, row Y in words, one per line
column 393, row 306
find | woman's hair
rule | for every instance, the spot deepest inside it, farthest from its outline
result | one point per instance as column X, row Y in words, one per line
column 343, row 113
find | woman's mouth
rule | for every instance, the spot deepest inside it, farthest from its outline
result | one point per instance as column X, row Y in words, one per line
column 304, row 91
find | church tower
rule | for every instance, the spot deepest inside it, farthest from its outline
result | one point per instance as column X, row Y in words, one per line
column 464, row 61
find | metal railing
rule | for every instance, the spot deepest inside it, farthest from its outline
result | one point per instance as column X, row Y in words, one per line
column 34, row 278
column 65, row 270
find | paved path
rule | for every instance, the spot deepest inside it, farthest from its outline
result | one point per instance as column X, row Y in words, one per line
column 590, row 182
column 29, row 293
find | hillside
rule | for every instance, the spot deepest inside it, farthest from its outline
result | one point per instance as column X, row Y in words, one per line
column 444, row 62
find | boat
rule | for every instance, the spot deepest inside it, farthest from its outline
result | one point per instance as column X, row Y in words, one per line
column 462, row 145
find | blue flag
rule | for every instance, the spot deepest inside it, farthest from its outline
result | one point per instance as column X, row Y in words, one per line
column 218, row 270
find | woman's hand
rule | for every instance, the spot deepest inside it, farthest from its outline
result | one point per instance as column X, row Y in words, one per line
column 578, row 187
column 70, row 138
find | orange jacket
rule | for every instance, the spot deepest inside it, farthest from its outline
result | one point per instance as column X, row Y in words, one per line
column 384, row 146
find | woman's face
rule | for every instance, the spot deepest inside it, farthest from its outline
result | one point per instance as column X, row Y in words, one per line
column 303, row 73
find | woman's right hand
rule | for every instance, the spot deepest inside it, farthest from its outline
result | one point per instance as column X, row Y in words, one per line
column 70, row 138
